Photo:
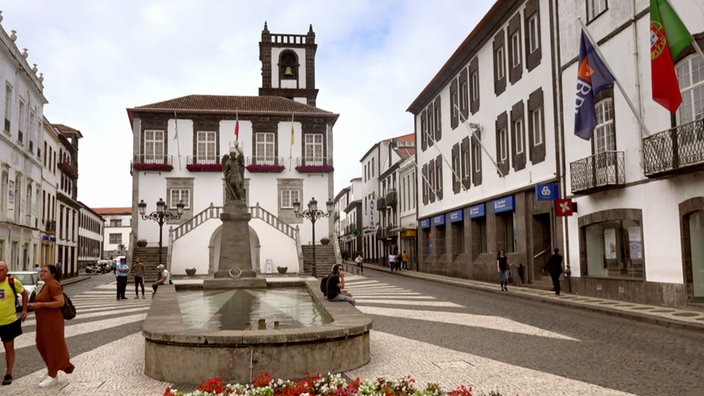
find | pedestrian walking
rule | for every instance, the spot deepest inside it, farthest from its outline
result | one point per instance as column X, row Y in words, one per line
column 121, row 271
column 392, row 261
column 554, row 267
column 50, row 339
column 10, row 325
column 138, row 272
column 360, row 263
column 404, row 261
column 503, row 267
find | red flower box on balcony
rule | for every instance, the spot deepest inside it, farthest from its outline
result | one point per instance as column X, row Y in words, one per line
column 153, row 167
column 265, row 168
column 315, row 168
column 204, row 167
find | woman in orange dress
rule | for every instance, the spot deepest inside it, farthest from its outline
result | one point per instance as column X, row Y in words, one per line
column 51, row 342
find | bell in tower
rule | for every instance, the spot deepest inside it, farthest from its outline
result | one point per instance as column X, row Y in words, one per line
column 288, row 65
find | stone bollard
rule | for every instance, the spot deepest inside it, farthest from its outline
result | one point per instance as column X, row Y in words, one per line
column 261, row 324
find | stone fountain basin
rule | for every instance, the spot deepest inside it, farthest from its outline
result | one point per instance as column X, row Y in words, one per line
column 179, row 354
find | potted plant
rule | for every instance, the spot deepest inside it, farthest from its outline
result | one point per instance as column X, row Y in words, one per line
column 190, row 271
column 282, row 270
column 324, row 240
column 141, row 242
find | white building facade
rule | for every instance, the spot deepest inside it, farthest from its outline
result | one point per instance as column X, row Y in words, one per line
column 22, row 103
column 287, row 143
column 117, row 224
column 485, row 140
column 637, row 233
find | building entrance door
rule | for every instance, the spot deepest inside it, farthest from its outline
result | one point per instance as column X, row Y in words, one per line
column 696, row 246
column 541, row 243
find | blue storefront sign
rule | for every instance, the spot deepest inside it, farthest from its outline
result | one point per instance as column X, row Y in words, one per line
column 546, row 192
column 456, row 216
column 439, row 220
column 425, row 223
column 476, row 211
column 504, row 204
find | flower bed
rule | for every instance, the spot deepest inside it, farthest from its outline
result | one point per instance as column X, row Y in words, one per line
column 265, row 168
column 315, row 169
column 153, row 167
column 314, row 385
column 204, row 167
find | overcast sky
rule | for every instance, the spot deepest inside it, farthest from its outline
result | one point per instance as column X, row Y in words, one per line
column 100, row 57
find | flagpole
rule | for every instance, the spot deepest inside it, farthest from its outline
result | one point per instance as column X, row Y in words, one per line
column 420, row 172
column 618, row 83
column 290, row 148
column 445, row 159
column 474, row 135
column 178, row 142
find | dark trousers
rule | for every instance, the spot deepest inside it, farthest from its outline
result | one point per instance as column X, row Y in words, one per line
column 555, row 281
column 121, row 286
column 138, row 281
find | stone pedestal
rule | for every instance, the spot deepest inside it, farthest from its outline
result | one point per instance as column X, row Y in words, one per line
column 235, row 253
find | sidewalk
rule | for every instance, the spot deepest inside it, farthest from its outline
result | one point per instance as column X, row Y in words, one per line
column 683, row 318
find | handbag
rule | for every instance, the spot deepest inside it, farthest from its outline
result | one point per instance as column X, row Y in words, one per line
column 68, row 310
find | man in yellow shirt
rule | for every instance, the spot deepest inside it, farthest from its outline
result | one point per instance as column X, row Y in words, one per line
column 10, row 326
column 404, row 261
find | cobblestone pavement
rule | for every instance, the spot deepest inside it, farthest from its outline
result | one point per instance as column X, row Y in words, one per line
column 115, row 365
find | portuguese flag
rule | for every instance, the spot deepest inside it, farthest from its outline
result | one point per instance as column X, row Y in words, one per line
column 668, row 37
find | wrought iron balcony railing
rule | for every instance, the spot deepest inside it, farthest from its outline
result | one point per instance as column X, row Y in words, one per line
column 674, row 149
column 597, row 172
column 391, row 198
column 152, row 162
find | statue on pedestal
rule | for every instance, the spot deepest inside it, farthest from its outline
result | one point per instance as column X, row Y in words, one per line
column 233, row 170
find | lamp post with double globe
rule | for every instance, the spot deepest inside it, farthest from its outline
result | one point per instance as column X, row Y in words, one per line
column 161, row 215
column 313, row 213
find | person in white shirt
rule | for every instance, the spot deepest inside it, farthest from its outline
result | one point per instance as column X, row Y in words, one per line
column 164, row 278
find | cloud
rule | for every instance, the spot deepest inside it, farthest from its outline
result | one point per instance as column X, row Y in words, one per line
column 101, row 57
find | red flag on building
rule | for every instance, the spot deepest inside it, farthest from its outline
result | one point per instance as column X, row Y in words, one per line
column 668, row 37
column 237, row 127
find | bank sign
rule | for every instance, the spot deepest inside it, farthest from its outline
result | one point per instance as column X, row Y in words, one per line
column 546, row 192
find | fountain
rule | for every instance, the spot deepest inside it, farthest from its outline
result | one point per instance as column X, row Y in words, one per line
column 177, row 351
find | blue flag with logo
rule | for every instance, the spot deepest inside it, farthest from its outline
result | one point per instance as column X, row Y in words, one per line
column 592, row 77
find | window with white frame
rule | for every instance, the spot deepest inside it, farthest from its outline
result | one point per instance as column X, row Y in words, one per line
column 500, row 63
column 690, row 75
column 264, row 148
column 516, row 49
column 313, row 148
column 153, row 146
column 595, row 8
column 604, row 133
column 22, row 122
column 288, row 197
column 474, row 83
column 537, row 126
column 206, row 150
column 115, row 239
column 518, row 133
column 503, row 145
column 533, row 34
column 177, row 195
column 8, row 107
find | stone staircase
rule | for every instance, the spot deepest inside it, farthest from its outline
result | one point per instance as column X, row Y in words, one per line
column 324, row 259
column 149, row 256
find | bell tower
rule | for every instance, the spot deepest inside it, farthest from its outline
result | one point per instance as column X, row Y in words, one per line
column 288, row 65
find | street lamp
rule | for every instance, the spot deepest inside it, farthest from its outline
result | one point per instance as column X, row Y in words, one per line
column 160, row 216
column 313, row 214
